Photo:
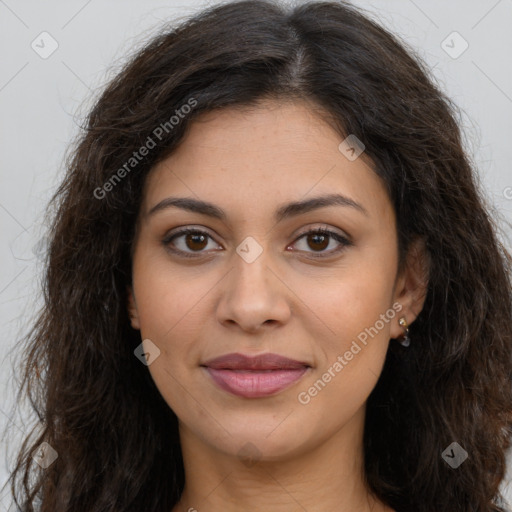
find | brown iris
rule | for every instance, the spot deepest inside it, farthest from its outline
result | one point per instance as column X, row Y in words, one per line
column 319, row 239
column 196, row 241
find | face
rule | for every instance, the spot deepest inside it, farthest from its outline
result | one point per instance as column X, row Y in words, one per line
column 255, row 276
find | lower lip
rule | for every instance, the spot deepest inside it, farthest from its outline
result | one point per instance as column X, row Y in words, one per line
column 255, row 384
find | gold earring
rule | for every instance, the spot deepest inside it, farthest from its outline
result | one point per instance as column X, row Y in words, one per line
column 405, row 342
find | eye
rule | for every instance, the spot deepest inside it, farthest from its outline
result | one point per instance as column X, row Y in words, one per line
column 193, row 239
column 319, row 239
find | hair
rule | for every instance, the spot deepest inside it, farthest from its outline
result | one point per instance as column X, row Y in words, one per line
column 116, row 438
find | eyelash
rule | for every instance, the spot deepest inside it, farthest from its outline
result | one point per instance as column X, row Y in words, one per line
column 322, row 231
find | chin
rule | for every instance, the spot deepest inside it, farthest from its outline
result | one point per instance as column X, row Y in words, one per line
column 265, row 441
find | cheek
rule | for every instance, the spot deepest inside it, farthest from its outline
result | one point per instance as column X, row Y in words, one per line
column 171, row 305
column 169, row 299
column 365, row 299
column 353, row 356
column 351, row 301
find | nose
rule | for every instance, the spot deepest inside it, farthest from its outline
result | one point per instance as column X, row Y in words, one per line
column 253, row 295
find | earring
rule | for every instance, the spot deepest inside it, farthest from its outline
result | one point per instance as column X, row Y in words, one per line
column 405, row 342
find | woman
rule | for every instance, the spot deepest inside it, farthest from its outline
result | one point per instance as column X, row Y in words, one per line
column 272, row 284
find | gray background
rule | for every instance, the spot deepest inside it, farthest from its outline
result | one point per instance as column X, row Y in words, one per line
column 43, row 100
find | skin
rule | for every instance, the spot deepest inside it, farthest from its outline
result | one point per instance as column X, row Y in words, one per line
column 249, row 163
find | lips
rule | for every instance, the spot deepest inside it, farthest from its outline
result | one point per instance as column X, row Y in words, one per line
column 261, row 362
column 254, row 377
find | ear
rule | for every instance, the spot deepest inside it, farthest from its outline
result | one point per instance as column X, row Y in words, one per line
column 412, row 285
column 132, row 309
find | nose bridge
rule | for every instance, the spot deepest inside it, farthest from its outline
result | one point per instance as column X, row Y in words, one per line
column 251, row 275
column 252, row 295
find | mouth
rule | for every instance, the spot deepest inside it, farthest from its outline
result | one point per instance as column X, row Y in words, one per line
column 254, row 377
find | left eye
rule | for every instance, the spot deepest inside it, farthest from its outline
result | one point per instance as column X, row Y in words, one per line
column 320, row 239
column 195, row 241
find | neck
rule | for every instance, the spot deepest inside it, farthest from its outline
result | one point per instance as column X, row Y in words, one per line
column 326, row 477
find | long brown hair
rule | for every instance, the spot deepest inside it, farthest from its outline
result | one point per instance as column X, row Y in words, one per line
column 116, row 438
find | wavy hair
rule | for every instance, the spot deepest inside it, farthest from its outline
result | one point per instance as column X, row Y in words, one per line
column 99, row 409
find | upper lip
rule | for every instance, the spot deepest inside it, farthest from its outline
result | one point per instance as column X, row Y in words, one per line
column 269, row 361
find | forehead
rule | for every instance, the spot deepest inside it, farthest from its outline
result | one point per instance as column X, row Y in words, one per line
column 266, row 155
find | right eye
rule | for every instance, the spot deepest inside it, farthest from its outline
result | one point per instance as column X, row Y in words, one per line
column 191, row 240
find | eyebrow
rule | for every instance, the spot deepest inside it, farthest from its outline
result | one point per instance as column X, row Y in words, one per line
column 283, row 212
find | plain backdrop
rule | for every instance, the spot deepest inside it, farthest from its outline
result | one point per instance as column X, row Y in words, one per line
column 56, row 55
